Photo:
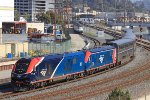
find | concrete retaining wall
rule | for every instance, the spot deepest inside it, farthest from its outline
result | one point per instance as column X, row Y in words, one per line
column 14, row 48
column 3, row 51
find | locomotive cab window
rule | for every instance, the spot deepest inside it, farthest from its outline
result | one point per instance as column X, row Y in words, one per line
column 22, row 66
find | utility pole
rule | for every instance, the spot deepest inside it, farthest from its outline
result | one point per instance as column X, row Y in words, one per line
column 54, row 18
column 124, row 13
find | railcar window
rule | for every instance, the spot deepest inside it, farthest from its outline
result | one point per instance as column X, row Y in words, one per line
column 68, row 65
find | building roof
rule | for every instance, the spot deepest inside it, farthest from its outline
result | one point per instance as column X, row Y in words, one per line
column 103, row 48
column 122, row 41
column 14, row 22
column 129, row 34
column 73, row 53
column 86, row 16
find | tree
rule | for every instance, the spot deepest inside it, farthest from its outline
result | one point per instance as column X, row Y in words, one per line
column 48, row 17
column 17, row 15
column 26, row 16
column 110, row 5
column 40, row 16
column 118, row 94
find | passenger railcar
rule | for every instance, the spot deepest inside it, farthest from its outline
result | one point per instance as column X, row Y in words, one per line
column 125, row 47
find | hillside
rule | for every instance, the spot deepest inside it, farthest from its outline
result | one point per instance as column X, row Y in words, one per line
column 109, row 5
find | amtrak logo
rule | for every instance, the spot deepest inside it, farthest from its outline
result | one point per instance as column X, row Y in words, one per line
column 101, row 58
column 43, row 72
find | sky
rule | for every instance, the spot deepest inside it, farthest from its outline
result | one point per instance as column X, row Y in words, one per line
column 136, row 0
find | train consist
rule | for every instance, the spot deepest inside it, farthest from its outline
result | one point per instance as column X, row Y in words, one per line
column 77, row 27
column 30, row 73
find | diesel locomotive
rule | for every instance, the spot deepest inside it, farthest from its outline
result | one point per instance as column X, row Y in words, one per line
column 77, row 27
column 30, row 73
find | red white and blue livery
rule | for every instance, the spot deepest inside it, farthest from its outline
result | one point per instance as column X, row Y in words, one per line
column 30, row 73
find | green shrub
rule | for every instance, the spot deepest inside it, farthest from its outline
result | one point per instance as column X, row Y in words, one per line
column 118, row 94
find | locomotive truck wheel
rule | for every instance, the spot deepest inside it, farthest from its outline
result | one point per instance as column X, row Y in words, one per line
column 33, row 87
column 67, row 78
column 82, row 74
column 74, row 77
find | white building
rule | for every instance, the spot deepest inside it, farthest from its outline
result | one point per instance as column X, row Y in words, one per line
column 6, row 13
column 32, row 7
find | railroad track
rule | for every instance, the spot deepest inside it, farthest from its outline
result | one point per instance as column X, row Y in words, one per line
column 93, row 88
column 143, row 43
column 7, row 67
column 12, row 94
column 77, row 96
column 117, row 34
column 95, row 41
column 5, row 84
column 104, row 81
column 114, row 33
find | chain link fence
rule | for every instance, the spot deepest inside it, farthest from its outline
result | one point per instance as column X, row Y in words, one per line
column 36, row 49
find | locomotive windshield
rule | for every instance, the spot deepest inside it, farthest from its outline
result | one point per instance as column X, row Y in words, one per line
column 22, row 66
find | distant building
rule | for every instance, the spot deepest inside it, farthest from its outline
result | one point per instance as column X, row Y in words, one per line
column 141, row 15
column 87, row 18
column 6, row 13
column 85, row 9
column 104, row 15
column 32, row 7
column 138, row 3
